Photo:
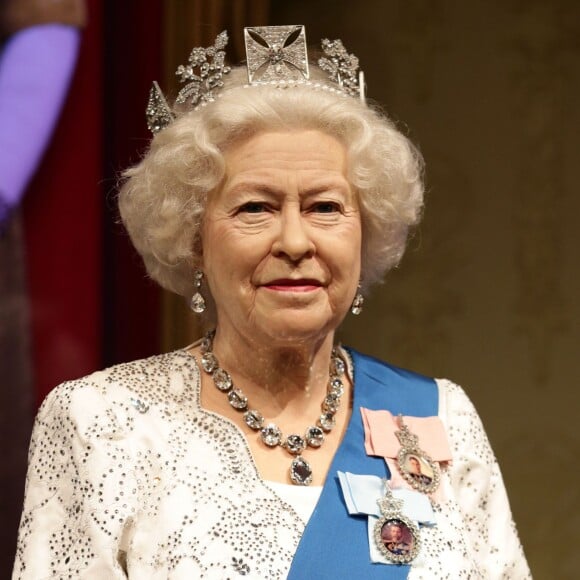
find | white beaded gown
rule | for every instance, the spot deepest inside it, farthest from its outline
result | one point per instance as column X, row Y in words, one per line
column 130, row 478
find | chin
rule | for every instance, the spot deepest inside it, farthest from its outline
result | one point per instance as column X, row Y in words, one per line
column 297, row 327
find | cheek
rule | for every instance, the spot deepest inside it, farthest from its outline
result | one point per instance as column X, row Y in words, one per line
column 346, row 254
column 217, row 245
column 345, row 269
column 230, row 264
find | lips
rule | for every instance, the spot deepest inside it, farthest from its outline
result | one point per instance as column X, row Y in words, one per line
column 293, row 285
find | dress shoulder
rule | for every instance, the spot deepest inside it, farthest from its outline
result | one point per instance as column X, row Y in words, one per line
column 160, row 379
column 92, row 439
column 463, row 423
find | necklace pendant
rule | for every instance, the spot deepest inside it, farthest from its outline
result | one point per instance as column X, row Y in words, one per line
column 300, row 471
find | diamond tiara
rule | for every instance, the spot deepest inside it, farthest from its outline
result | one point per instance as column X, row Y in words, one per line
column 276, row 55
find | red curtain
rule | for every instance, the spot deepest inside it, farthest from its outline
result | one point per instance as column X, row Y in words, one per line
column 62, row 218
column 80, row 264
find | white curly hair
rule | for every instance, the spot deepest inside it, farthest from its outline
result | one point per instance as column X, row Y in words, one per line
column 163, row 198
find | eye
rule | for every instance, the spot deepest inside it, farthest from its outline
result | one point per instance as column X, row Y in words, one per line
column 253, row 207
column 325, row 207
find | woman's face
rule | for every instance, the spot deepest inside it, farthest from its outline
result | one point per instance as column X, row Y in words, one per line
column 282, row 238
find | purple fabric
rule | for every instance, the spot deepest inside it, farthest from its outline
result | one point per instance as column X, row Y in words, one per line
column 36, row 66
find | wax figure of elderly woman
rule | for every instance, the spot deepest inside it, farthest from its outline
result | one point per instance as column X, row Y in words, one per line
column 273, row 197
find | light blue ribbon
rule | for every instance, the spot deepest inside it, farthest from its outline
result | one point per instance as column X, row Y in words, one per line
column 362, row 492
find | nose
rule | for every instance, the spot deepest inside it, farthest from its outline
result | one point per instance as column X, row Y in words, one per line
column 293, row 240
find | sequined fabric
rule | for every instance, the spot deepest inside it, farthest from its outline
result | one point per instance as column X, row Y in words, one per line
column 475, row 536
column 129, row 477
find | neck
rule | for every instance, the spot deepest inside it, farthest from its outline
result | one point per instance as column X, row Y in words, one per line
column 276, row 375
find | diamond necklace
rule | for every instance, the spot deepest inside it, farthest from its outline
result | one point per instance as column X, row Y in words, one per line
column 270, row 434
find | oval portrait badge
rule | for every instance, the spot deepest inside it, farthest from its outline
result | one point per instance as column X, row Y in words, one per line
column 397, row 538
column 419, row 470
column 415, row 465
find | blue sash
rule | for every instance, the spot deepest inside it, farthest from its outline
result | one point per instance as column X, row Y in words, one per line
column 335, row 545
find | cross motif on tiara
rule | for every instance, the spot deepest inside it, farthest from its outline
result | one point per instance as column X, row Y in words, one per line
column 276, row 52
